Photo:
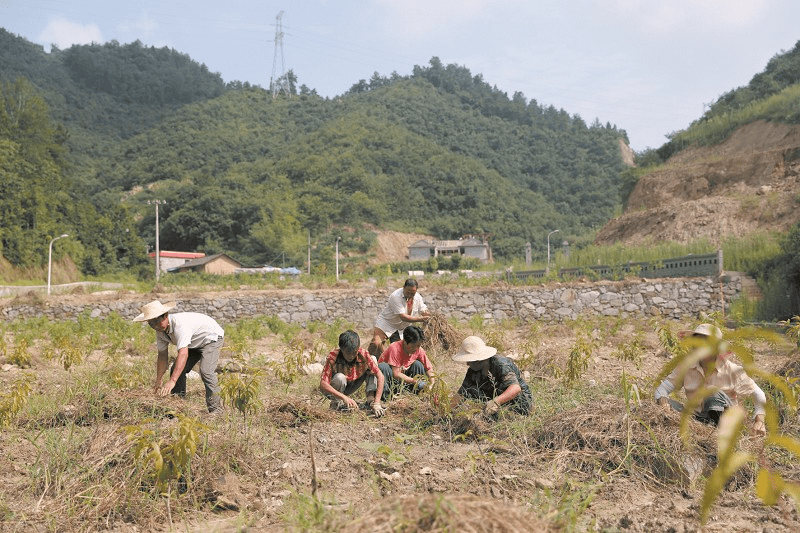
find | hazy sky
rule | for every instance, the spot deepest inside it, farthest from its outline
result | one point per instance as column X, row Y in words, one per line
column 648, row 66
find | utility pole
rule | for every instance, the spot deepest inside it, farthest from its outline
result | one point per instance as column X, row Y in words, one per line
column 337, row 258
column 279, row 82
column 50, row 259
column 158, row 250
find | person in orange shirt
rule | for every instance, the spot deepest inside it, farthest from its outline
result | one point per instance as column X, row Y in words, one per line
column 405, row 365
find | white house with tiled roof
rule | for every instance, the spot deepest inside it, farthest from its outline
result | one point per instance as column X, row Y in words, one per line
column 467, row 246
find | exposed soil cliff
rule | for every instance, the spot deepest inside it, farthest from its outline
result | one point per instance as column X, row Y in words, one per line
column 749, row 183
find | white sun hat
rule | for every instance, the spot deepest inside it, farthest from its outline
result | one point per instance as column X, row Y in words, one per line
column 152, row 310
column 473, row 349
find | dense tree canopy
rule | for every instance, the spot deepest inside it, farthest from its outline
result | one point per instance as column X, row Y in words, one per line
column 439, row 151
column 137, row 73
column 37, row 200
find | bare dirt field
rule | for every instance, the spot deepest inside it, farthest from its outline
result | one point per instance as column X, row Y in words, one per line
column 585, row 460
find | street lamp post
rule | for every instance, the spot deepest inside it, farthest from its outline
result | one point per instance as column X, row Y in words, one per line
column 547, row 270
column 337, row 258
column 50, row 259
column 158, row 250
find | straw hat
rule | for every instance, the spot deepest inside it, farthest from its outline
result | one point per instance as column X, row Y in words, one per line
column 473, row 349
column 152, row 310
column 708, row 330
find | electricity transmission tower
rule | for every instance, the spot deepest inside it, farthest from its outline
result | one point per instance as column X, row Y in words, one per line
column 279, row 81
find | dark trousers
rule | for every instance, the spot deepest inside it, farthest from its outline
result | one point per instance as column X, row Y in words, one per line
column 393, row 386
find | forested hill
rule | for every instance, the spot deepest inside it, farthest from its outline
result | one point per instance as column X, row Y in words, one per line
column 439, row 151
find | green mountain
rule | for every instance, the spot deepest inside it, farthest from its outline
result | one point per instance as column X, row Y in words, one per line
column 439, row 151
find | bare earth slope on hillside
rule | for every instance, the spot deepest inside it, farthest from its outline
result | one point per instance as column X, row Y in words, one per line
column 748, row 183
column 392, row 246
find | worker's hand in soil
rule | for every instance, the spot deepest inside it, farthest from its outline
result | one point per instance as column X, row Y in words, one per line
column 491, row 408
column 759, row 428
column 166, row 388
column 378, row 410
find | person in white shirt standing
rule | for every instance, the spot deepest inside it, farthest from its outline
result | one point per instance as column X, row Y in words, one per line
column 197, row 337
column 403, row 308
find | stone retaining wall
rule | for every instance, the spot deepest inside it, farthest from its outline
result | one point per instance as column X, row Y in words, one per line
column 672, row 298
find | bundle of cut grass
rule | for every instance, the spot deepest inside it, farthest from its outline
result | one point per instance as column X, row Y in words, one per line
column 440, row 336
column 644, row 442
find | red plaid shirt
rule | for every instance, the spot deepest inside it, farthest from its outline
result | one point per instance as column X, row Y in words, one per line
column 336, row 364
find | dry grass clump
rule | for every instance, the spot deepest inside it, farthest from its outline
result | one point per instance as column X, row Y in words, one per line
column 122, row 406
column 441, row 337
column 790, row 370
column 644, row 443
column 463, row 421
column 296, row 413
column 447, row 512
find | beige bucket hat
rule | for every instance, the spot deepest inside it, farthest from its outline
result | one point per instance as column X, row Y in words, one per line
column 473, row 349
column 153, row 310
column 708, row 330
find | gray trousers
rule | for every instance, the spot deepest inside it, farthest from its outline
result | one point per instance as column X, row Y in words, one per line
column 208, row 357
column 340, row 383
column 711, row 408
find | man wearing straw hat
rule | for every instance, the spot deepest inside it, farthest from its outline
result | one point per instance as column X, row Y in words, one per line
column 197, row 337
column 492, row 378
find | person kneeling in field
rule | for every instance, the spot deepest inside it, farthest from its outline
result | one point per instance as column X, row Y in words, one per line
column 715, row 371
column 492, row 378
column 346, row 368
column 405, row 365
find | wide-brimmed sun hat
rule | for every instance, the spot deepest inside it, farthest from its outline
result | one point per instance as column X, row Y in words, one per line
column 473, row 349
column 708, row 330
column 153, row 310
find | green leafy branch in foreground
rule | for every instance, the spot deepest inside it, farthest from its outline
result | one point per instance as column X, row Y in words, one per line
column 769, row 485
column 579, row 356
column 242, row 391
column 12, row 402
column 171, row 460
column 294, row 363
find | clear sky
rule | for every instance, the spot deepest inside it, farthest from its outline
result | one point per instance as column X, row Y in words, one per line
column 648, row 66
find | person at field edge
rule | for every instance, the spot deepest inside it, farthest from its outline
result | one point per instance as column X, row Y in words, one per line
column 346, row 369
column 405, row 365
column 715, row 371
column 492, row 378
column 197, row 337
column 403, row 308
